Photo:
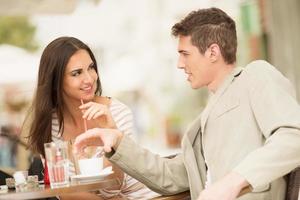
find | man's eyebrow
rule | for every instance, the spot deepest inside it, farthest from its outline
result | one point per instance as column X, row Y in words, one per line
column 182, row 51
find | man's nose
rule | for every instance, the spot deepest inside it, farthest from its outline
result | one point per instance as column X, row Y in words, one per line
column 180, row 64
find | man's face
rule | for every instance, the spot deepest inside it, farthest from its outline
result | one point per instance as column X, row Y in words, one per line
column 197, row 66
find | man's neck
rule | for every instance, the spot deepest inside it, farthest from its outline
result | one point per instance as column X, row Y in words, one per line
column 220, row 76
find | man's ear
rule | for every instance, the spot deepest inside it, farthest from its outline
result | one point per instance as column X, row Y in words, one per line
column 214, row 52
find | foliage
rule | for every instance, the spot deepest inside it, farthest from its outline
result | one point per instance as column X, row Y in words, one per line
column 17, row 31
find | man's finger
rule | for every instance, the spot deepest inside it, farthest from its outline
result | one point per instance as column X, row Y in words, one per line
column 107, row 149
column 86, row 139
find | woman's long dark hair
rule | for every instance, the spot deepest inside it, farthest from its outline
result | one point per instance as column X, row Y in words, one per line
column 48, row 98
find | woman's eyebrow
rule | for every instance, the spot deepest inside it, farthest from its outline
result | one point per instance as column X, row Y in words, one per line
column 75, row 70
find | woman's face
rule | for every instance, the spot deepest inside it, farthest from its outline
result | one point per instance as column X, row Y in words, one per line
column 80, row 78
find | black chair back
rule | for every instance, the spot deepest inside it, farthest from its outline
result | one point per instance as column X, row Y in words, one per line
column 293, row 185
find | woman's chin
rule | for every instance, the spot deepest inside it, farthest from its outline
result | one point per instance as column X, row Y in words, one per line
column 89, row 97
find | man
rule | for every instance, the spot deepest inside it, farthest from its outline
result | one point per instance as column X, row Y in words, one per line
column 247, row 137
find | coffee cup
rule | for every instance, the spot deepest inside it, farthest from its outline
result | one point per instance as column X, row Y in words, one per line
column 90, row 166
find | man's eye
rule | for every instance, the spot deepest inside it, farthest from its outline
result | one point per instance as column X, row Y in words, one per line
column 184, row 54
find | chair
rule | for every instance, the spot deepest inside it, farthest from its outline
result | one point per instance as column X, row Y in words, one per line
column 36, row 168
column 3, row 176
column 293, row 185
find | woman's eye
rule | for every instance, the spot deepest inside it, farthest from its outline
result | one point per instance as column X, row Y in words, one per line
column 92, row 67
column 75, row 73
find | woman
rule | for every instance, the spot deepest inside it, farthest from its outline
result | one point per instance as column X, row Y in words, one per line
column 68, row 92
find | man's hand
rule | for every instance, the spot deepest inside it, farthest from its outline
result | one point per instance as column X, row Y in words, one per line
column 228, row 188
column 108, row 138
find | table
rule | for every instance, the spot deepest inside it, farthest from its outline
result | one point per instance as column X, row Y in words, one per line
column 181, row 196
column 46, row 191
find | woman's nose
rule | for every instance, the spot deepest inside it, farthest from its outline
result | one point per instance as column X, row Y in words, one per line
column 88, row 77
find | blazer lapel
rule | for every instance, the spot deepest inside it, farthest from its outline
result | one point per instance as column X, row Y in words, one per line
column 215, row 97
column 194, row 128
column 196, row 178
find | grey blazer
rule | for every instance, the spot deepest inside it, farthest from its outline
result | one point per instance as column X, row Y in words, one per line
column 251, row 125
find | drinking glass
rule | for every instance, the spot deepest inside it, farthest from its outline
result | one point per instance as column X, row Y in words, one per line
column 57, row 159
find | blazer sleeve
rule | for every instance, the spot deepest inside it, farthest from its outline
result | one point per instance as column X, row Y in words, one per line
column 162, row 175
column 278, row 116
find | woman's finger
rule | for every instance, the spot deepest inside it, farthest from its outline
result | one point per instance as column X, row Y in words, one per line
column 86, row 105
column 92, row 113
column 98, row 114
column 95, row 111
column 88, row 111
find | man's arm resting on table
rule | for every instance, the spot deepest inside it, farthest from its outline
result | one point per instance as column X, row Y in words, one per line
column 165, row 176
column 162, row 175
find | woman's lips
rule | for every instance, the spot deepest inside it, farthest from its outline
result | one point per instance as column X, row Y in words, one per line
column 87, row 89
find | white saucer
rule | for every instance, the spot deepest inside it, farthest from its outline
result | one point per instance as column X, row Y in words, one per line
column 92, row 178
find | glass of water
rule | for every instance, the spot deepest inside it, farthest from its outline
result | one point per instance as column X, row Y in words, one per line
column 57, row 159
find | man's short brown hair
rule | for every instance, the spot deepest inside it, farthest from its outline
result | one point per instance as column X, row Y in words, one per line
column 209, row 26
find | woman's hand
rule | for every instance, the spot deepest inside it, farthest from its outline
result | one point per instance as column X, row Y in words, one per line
column 93, row 110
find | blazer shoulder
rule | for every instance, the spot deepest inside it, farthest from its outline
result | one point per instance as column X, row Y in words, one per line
column 260, row 70
column 260, row 74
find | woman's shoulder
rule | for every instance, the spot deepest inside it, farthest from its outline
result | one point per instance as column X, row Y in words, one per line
column 102, row 100
column 116, row 104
